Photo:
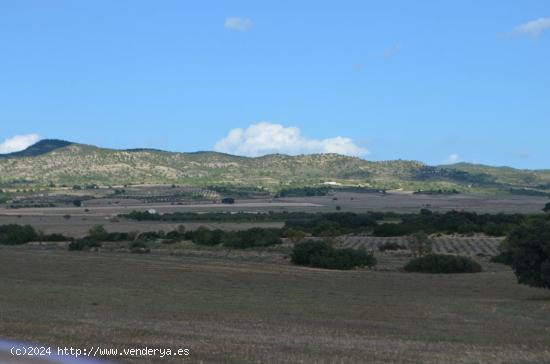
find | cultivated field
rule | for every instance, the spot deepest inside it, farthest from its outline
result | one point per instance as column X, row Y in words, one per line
column 253, row 306
column 241, row 311
column 473, row 246
column 406, row 202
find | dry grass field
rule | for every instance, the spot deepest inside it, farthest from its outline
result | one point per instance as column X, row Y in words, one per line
column 243, row 311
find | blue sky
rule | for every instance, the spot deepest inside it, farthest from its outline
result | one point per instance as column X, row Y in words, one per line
column 425, row 80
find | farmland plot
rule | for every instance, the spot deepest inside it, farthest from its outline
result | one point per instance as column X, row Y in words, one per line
column 443, row 245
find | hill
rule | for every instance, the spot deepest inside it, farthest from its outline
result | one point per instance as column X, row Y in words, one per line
column 42, row 147
column 65, row 163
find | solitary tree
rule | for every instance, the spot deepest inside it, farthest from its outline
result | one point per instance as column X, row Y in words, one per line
column 295, row 236
column 547, row 207
column 528, row 249
column 98, row 233
column 420, row 244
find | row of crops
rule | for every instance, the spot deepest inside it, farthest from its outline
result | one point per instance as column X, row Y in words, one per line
column 444, row 245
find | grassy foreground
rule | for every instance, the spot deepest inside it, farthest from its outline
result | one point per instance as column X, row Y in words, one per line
column 239, row 312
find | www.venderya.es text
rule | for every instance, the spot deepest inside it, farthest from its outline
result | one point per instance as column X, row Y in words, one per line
column 98, row 351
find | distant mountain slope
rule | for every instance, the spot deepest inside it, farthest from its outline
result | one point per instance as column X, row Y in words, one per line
column 65, row 163
column 42, row 147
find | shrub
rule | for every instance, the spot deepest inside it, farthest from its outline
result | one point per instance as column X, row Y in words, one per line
column 303, row 252
column 14, row 234
column 502, row 258
column 294, row 235
column 528, row 248
column 116, row 237
column 151, row 235
column 440, row 263
column 391, row 246
column 98, row 233
column 255, row 237
column 392, row 230
column 420, row 244
column 139, row 247
column 343, row 259
column 54, row 237
column 204, row 236
column 320, row 254
column 84, row 244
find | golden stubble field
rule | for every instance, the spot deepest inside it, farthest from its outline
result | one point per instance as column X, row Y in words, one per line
column 245, row 311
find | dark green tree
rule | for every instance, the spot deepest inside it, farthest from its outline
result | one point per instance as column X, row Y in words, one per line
column 528, row 249
column 98, row 233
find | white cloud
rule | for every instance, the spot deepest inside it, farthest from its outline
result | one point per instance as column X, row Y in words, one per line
column 390, row 52
column 533, row 28
column 18, row 142
column 268, row 138
column 452, row 159
column 237, row 23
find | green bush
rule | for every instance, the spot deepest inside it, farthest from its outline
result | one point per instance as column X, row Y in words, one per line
column 98, row 233
column 84, row 244
column 139, row 247
column 420, row 244
column 391, row 246
column 440, row 263
column 320, row 254
column 151, row 235
column 528, row 249
column 304, row 252
column 14, row 234
column 255, row 237
column 502, row 258
column 54, row 237
column 204, row 236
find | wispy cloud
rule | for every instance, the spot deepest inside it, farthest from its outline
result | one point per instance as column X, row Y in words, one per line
column 358, row 67
column 267, row 138
column 392, row 51
column 238, row 23
column 452, row 159
column 533, row 28
column 18, row 142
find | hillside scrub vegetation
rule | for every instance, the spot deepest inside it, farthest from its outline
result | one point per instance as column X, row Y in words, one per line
column 86, row 165
column 441, row 263
column 304, row 192
column 320, row 254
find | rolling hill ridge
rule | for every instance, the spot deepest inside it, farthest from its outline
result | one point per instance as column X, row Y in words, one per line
column 56, row 162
